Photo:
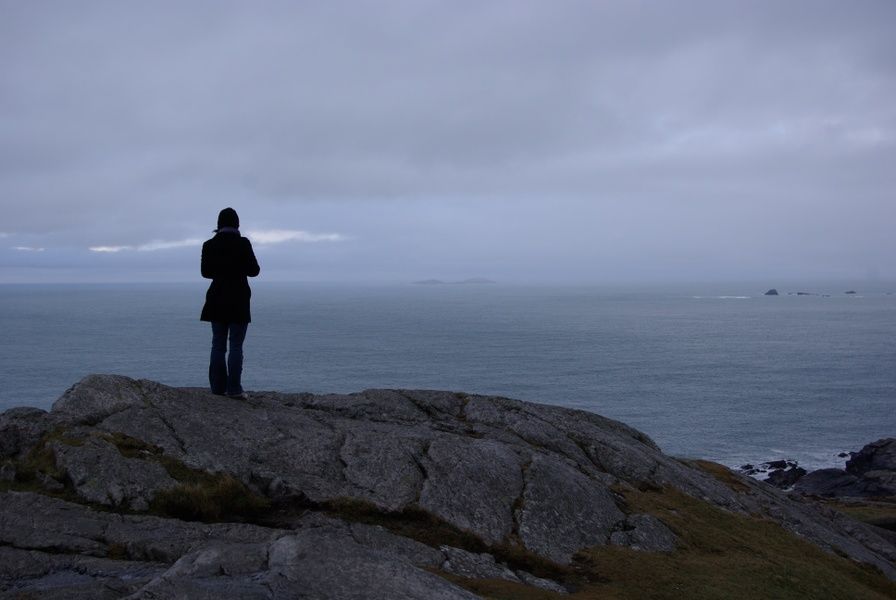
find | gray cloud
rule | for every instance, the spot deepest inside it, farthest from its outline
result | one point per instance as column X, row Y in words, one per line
column 518, row 140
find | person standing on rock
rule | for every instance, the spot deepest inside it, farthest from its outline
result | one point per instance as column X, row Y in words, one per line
column 227, row 259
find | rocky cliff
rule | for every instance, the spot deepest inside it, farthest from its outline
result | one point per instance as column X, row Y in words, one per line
column 133, row 489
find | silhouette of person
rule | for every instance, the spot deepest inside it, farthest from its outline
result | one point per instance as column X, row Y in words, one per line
column 227, row 259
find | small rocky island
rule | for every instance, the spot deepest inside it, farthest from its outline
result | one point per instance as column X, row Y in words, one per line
column 131, row 489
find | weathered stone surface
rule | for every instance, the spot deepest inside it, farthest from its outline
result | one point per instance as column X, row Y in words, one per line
column 322, row 566
column 205, row 561
column 33, row 574
column 482, row 565
column 475, row 566
column 7, row 471
column 539, row 582
column 20, row 430
column 472, row 483
column 101, row 474
column 503, row 471
column 412, row 551
column 562, row 510
column 38, row 522
column 870, row 473
column 384, row 469
column 879, row 483
column 644, row 532
column 784, row 478
column 876, row 456
column 97, row 397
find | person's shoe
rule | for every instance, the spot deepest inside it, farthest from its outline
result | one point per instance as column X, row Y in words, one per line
column 240, row 396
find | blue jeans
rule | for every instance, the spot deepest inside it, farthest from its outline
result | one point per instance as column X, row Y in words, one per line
column 224, row 376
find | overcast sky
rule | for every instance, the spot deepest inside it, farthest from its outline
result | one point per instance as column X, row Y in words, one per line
column 521, row 141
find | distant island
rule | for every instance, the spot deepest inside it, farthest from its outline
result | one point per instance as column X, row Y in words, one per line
column 774, row 292
column 471, row 280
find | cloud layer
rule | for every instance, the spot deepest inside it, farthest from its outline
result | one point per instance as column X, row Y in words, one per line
column 262, row 237
column 515, row 140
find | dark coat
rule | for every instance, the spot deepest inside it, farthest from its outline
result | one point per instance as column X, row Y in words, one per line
column 227, row 259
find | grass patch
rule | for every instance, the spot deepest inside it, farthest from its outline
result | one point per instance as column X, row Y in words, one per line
column 723, row 555
column 720, row 556
column 721, row 473
column 213, row 498
column 201, row 496
column 420, row 525
column 117, row 551
column 40, row 464
column 131, row 447
column 880, row 513
column 411, row 522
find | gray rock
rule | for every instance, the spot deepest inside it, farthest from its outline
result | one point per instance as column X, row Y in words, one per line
column 539, row 582
column 784, row 478
column 876, row 456
column 771, row 292
column 504, row 471
column 472, row 484
column 33, row 574
column 879, row 483
column 21, row 429
column 97, row 397
column 475, row 566
column 101, row 474
column 829, row 482
column 7, row 472
column 482, row 565
column 646, row 533
column 321, row 566
column 562, row 510
column 48, row 483
column 384, row 469
column 410, row 550
column 35, row 522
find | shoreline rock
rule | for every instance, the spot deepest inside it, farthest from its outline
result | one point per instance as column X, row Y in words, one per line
column 374, row 493
column 869, row 473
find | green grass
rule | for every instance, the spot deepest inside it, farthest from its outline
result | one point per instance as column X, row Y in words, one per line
column 726, row 555
column 720, row 556
column 213, row 498
column 41, row 461
column 200, row 495
column 879, row 512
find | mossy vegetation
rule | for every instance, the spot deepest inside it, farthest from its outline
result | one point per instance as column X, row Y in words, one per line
column 37, row 468
column 721, row 555
column 131, row 447
column 211, row 498
column 880, row 512
column 722, row 473
column 410, row 522
column 117, row 551
column 201, row 495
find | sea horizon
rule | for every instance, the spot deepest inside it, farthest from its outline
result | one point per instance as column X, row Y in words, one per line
column 708, row 370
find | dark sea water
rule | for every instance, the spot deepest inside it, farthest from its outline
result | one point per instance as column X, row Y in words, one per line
column 719, row 372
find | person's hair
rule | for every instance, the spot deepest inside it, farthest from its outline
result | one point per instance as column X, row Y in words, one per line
column 228, row 218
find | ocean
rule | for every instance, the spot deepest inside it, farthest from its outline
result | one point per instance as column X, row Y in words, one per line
column 720, row 372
